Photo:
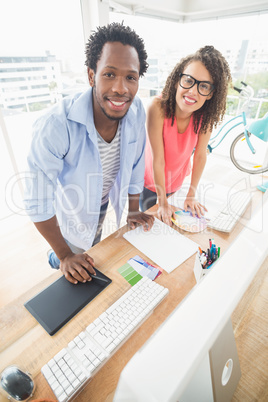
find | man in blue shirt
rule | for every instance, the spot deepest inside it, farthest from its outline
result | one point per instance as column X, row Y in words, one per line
column 70, row 181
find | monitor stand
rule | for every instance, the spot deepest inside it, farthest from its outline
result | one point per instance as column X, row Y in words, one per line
column 217, row 376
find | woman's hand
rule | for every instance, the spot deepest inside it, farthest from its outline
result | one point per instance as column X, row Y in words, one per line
column 194, row 206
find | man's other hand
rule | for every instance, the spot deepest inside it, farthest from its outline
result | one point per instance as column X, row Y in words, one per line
column 140, row 218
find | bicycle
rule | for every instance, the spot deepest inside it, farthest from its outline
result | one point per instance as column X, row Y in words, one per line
column 248, row 151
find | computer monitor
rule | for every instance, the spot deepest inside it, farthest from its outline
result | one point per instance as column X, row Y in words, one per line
column 176, row 363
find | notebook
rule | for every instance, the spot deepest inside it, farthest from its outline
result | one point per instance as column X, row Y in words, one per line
column 54, row 306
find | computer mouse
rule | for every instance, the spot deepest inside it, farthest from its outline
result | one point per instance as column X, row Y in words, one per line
column 16, row 383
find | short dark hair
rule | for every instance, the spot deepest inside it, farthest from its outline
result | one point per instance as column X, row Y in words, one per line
column 114, row 32
column 213, row 110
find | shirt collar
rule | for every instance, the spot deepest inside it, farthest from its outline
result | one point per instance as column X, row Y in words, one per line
column 81, row 110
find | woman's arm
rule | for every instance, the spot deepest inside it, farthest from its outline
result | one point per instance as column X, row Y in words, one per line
column 199, row 162
column 155, row 122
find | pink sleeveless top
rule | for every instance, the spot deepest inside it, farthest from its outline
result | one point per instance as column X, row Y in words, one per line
column 178, row 149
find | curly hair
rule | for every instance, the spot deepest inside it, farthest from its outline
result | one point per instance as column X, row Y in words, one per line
column 114, row 32
column 213, row 110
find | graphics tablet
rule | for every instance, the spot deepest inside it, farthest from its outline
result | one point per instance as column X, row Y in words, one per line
column 54, row 306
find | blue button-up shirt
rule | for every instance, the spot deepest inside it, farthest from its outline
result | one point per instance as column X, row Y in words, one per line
column 65, row 172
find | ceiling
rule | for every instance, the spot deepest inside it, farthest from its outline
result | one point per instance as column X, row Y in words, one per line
column 188, row 10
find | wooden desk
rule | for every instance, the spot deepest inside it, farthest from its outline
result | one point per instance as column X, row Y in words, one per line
column 25, row 343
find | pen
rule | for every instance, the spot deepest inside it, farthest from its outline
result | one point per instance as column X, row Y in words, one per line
column 99, row 278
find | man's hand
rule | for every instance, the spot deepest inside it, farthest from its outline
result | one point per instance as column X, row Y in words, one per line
column 165, row 213
column 138, row 217
column 77, row 267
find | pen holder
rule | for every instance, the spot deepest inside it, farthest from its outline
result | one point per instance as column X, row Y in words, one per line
column 199, row 271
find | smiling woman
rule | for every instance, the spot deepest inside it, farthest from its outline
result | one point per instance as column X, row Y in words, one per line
column 179, row 122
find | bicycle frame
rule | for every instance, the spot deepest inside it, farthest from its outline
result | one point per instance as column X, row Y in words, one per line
column 258, row 128
column 243, row 121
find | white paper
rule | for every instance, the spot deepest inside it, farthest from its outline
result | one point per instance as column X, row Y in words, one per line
column 162, row 244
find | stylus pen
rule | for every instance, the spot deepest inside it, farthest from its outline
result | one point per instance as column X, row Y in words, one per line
column 99, row 278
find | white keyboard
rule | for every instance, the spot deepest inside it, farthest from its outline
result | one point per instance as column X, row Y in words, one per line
column 227, row 217
column 70, row 369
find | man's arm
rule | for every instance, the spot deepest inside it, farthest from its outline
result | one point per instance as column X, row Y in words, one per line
column 75, row 267
column 135, row 216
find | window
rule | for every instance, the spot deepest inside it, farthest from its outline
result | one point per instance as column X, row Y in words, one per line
column 47, row 38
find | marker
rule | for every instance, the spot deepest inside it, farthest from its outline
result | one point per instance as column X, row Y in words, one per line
column 99, row 278
column 219, row 251
column 210, row 244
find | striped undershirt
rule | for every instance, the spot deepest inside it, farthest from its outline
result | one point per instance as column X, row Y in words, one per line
column 110, row 160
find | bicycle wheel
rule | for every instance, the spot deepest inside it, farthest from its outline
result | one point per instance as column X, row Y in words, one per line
column 244, row 159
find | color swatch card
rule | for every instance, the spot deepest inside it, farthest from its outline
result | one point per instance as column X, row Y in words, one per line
column 136, row 268
column 144, row 268
column 186, row 221
column 162, row 244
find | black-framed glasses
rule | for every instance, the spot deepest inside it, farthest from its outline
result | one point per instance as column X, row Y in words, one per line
column 204, row 87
